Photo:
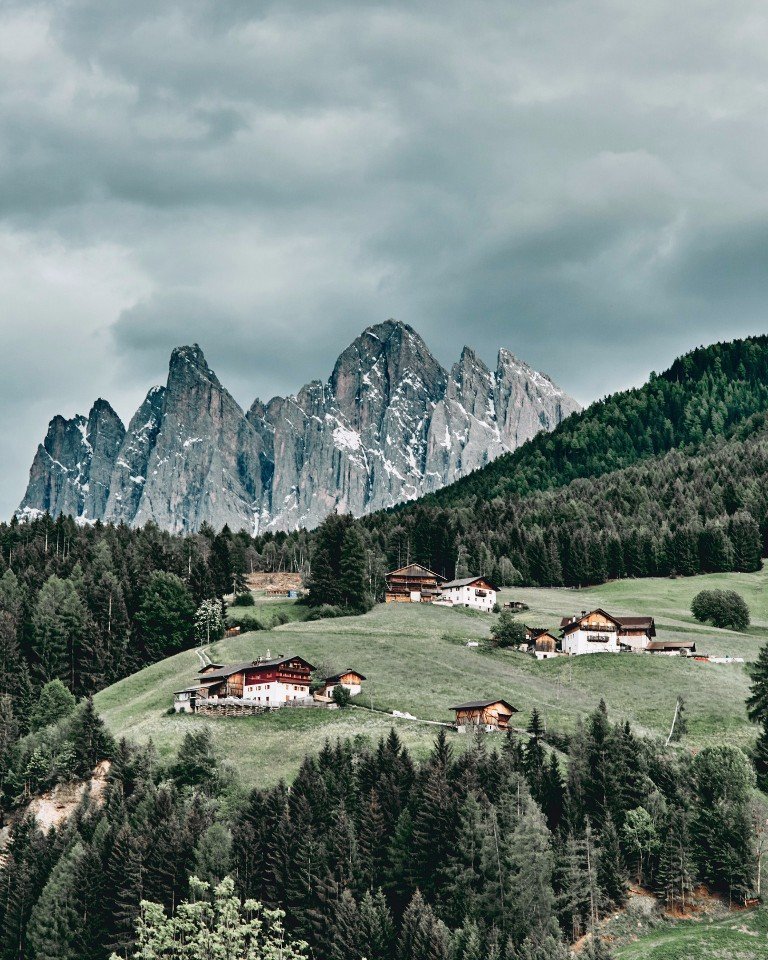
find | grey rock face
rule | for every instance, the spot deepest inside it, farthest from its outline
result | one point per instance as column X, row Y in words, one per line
column 71, row 470
column 203, row 457
column 129, row 473
column 388, row 425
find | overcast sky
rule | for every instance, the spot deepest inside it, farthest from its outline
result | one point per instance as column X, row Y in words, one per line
column 583, row 183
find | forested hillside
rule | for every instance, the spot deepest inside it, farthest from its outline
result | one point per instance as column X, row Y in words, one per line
column 682, row 513
column 665, row 479
column 702, row 395
column 90, row 604
column 497, row 852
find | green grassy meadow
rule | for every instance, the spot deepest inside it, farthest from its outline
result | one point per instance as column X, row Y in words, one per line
column 416, row 660
column 740, row 936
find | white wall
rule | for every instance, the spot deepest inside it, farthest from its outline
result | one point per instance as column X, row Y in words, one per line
column 277, row 692
column 576, row 643
column 465, row 596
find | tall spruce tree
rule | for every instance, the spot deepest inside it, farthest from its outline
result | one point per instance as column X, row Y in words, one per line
column 355, row 591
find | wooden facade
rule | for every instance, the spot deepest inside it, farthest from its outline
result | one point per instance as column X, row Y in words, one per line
column 486, row 714
column 412, row 584
column 597, row 631
column 349, row 679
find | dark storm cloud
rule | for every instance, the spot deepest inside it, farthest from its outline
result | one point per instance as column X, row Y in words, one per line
column 581, row 182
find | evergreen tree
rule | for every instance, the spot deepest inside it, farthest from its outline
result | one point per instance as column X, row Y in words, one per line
column 422, row 935
column 760, row 757
column 55, row 925
column 123, row 891
column 54, row 703
column 747, row 542
column 164, row 618
column 325, row 582
column 529, row 896
column 721, row 828
column 376, row 934
column 196, row 763
column 92, row 741
column 611, row 876
column 59, row 624
column 355, row 594
column 757, row 701
column 676, row 868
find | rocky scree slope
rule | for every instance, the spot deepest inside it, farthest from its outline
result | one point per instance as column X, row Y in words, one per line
column 390, row 424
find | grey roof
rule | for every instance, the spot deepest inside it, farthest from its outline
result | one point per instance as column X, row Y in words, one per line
column 476, row 704
column 231, row 668
column 193, row 689
column 465, row 582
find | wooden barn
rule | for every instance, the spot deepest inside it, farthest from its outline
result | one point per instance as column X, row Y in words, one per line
column 486, row 714
column 543, row 644
column 412, row 584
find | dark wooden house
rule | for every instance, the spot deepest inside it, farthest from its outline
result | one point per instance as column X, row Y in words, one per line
column 412, row 584
column 486, row 714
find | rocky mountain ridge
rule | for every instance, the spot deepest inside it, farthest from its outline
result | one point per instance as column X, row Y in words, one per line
column 390, row 424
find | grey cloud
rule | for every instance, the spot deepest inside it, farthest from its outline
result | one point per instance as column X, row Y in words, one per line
column 582, row 183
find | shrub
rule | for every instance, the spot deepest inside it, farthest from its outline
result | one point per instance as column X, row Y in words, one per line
column 507, row 632
column 722, row 608
column 244, row 600
column 341, row 696
column 327, row 612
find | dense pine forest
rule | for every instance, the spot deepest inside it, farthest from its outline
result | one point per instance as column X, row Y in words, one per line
column 90, row 604
column 502, row 852
column 683, row 513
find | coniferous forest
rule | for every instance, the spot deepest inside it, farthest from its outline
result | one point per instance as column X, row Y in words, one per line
column 504, row 851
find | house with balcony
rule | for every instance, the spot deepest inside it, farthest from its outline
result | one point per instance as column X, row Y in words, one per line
column 474, row 592
column 597, row 631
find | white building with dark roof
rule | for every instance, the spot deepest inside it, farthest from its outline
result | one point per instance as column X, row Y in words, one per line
column 475, row 592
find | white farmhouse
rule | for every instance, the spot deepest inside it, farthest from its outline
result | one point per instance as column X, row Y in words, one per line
column 475, row 592
column 599, row 632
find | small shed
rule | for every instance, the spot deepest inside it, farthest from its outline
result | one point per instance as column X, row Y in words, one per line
column 672, row 648
column 487, row 714
column 544, row 645
column 185, row 701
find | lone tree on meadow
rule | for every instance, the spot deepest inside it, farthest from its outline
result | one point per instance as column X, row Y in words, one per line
column 722, row 608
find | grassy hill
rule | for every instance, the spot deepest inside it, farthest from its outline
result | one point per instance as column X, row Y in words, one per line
column 416, row 660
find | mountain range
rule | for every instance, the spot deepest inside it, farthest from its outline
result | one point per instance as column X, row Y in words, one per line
column 389, row 425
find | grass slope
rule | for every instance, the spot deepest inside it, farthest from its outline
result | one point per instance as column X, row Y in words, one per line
column 415, row 659
column 743, row 936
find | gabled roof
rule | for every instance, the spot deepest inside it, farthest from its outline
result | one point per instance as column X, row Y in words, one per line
column 227, row 671
column 567, row 624
column 414, row 570
column 479, row 704
column 466, row 581
column 337, row 676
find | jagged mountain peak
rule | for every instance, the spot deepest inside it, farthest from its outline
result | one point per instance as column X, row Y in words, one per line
column 189, row 361
column 388, row 425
